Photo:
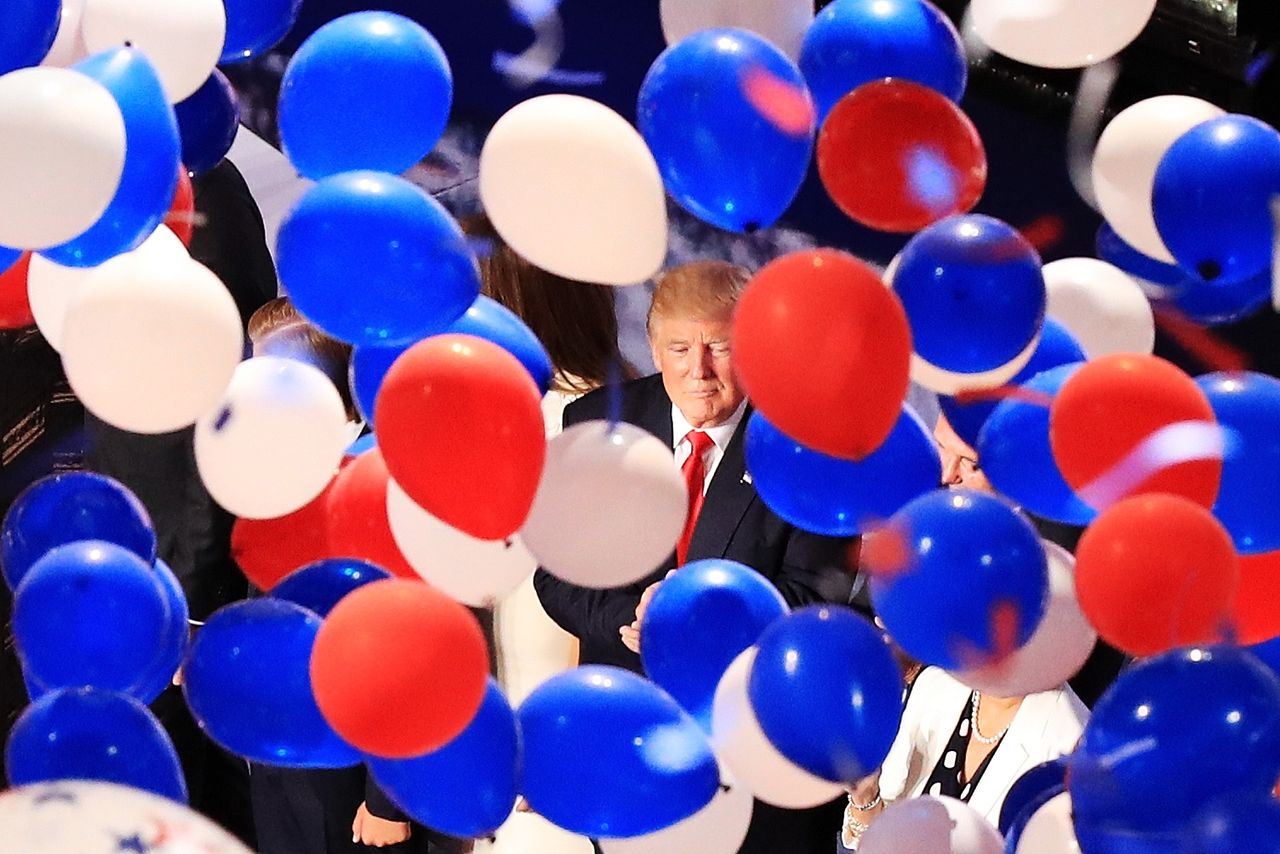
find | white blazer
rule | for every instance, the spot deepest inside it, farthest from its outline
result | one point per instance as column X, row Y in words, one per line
column 1046, row 726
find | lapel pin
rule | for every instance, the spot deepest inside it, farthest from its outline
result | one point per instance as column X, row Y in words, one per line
column 746, row 478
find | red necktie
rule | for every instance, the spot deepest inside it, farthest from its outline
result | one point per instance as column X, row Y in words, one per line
column 695, row 476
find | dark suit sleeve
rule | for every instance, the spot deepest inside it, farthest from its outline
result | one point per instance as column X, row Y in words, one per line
column 379, row 804
column 593, row 616
column 817, row 569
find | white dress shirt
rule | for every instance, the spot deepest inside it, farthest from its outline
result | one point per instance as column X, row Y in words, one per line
column 720, row 435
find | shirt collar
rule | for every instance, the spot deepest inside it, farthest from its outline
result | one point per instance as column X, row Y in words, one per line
column 721, row 434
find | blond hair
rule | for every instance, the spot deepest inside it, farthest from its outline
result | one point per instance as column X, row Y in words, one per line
column 703, row 289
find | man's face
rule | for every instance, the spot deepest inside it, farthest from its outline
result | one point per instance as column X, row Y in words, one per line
column 693, row 356
column 959, row 461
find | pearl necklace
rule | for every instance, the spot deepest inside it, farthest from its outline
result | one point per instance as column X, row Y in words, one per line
column 973, row 723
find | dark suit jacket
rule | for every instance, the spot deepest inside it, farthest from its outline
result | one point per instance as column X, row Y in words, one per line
column 734, row 524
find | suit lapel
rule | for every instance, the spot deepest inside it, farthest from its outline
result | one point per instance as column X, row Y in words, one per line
column 727, row 500
column 654, row 413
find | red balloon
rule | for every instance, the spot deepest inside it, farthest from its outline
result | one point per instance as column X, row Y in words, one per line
column 898, row 156
column 1156, row 571
column 398, row 668
column 459, row 422
column 357, row 515
column 15, row 310
column 1256, row 614
column 823, row 349
column 1101, row 424
column 266, row 550
column 182, row 213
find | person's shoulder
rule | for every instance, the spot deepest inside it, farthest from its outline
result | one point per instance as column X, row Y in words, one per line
column 595, row 404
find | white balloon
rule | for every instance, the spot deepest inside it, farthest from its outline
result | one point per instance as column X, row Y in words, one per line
column 931, row 825
column 942, row 381
column 275, row 441
column 1125, row 161
column 61, row 155
column 610, row 506
column 182, row 40
column 51, row 287
column 741, row 744
column 1057, row 649
column 1100, row 305
column 150, row 342
column 530, row 833
column 1050, row 830
column 1059, row 33
column 88, row 817
column 476, row 572
column 718, row 828
column 68, row 46
column 571, row 186
column 782, row 22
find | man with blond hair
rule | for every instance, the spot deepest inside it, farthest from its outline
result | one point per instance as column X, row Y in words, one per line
column 695, row 405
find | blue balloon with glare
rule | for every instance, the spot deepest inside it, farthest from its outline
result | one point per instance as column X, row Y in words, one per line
column 827, row 692
column 973, row 292
column 852, row 42
column 1031, row 791
column 1212, row 197
column 64, row 508
column 1268, row 652
column 697, row 623
column 90, row 613
column 370, row 90
column 256, row 26
column 1211, row 303
column 1056, row 347
column 88, row 734
column 321, row 585
column 838, row 497
column 372, row 259
column 969, row 580
column 486, row 319
column 467, row 787
column 1247, row 404
column 247, row 679
column 608, row 753
column 1231, row 825
column 208, row 120
column 1014, row 452
column 30, row 26
column 722, row 157
column 173, row 640
column 150, row 174
column 1171, row 729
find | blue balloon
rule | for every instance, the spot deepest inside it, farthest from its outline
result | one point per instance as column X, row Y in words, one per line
column 1031, row 791
column 973, row 292
column 1233, row 825
column 1056, row 347
column 486, row 319
column 30, row 26
column 852, row 42
column 1016, row 456
column 607, row 753
column 150, row 174
column 827, row 692
column 720, row 157
column 371, row 90
column 173, row 640
column 208, row 120
column 367, row 442
column 90, row 613
column 8, row 257
column 697, row 623
column 87, row 734
column 837, row 497
column 321, row 585
column 467, row 787
column 247, row 680
column 1268, row 652
column 1210, row 303
column 372, row 259
column 64, row 508
column 1248, row 405
column 256, row 26
column 974, row 580
column 1171, row 730
column 1212, row 197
